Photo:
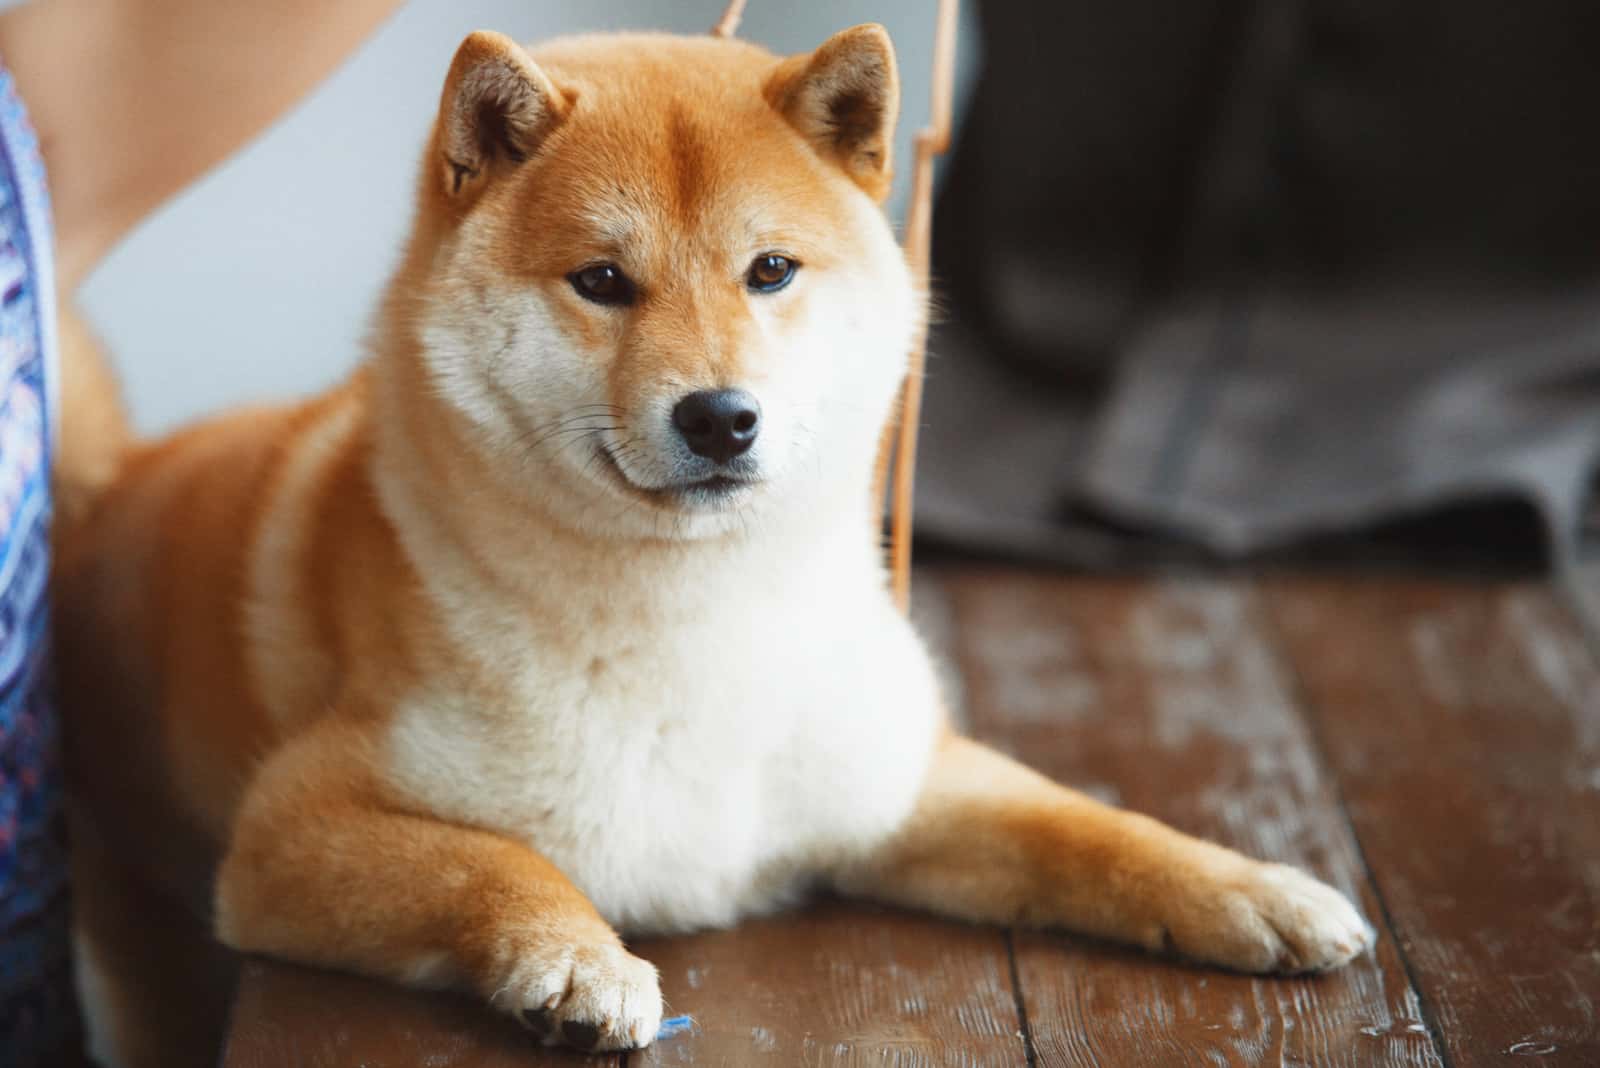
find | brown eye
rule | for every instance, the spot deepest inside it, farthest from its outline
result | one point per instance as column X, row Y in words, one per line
column 770, row 273
column 603, row 283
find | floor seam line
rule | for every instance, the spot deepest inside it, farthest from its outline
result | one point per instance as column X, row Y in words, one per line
column 1319, row 749
column 1028, row 1049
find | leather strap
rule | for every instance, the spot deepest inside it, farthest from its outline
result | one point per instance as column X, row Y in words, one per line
column 899, row 440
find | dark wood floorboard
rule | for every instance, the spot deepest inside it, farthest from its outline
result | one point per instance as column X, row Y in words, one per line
column 1464, row 723
column 1168, row 697
column 1445, row 733
column 291, row 1017
column 834, row 984
column 839, row 984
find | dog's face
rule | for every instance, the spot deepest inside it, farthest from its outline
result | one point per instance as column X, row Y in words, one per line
column 662, row 294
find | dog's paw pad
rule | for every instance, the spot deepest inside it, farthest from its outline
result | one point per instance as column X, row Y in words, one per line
column 541, row 1021
column 579, row 1034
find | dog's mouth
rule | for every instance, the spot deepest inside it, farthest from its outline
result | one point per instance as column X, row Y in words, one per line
column 712, row 490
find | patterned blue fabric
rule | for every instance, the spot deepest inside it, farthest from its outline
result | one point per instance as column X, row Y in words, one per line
column 37, row 1010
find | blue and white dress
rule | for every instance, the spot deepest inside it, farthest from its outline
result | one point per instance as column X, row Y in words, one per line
column 38, row 1019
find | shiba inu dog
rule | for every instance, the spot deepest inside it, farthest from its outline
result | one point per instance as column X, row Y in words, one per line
column 565, row 616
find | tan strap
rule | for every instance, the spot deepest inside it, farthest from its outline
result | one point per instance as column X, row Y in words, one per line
column 899, row 441
column 931, row 142
column 728, row 24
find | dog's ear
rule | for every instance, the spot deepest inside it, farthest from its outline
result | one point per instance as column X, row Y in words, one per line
column 496, row 108
column 844, row 99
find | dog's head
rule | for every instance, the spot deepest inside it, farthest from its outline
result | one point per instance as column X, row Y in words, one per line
column 657, row 287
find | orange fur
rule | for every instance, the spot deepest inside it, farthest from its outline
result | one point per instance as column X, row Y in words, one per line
column 173, row 743
column 994, row 842
column 248, row 609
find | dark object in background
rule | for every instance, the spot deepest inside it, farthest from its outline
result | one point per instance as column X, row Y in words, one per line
column 1244, row 274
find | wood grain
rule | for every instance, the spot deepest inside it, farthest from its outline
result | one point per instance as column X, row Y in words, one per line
column 286, row 1016
column 839, row 984
column 1167, row 697
column 833, row 984
column 1452, row 729
column 1464, row 724
column 836, row 984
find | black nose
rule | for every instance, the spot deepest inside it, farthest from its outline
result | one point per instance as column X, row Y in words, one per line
column 718, row 424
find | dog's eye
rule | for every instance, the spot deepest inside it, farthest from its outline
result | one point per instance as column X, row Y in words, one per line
column 770, row 273
column 603, row 283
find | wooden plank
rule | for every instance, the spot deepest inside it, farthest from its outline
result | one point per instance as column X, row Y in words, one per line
column 1464, row 724
column 839, row 984
column 287, row 1015
column 1167, row 697
column 835, row 984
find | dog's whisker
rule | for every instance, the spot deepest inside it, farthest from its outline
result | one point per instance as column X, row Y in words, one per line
column 569, row 426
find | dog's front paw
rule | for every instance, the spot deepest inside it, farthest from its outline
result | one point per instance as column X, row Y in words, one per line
column 1267, row 918
column 591, row 996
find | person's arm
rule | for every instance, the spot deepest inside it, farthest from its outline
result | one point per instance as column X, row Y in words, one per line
column 134, row 99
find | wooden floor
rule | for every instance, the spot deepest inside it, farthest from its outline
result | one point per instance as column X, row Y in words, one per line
column 1431, row 747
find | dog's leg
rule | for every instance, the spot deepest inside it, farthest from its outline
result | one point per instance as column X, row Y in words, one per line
column 992, row 841
column 324, row 869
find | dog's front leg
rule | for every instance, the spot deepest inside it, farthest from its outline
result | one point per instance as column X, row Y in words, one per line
column 325, row 868
column 992, row 841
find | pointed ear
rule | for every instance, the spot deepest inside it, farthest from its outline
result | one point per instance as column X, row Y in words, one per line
column 496, row 108
column 844, row 99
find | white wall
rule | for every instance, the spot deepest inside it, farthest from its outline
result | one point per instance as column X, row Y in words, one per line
column 259, row 280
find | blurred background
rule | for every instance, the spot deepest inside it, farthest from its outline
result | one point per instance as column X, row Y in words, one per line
column 259, row 281
column 1233, row 279
column 1274, row 282
column 1216, row 279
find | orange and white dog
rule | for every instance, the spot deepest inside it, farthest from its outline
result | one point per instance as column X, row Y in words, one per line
column 565, row 616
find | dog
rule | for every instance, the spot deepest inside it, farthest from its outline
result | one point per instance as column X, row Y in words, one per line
column 565, row 615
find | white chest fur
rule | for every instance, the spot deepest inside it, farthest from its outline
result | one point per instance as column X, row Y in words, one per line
column 686, row 774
